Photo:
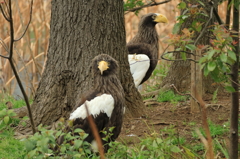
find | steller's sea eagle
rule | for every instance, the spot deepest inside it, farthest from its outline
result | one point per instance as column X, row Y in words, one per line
column 143, row 48
column 105, row 102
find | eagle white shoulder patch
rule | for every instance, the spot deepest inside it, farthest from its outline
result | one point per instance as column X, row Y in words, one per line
column 139, row 65
column 103, row 103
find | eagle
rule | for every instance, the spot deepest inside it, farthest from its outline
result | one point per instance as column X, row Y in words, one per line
column 143, row 48
column 105, row 102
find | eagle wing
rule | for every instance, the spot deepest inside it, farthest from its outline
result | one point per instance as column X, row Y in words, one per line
column 100, row 108
column 139, row 65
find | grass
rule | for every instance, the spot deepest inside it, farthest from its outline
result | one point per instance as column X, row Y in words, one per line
column 169, row 145
column 10, row 148
column 7, row 98
column 215, row 129
column 170, row 96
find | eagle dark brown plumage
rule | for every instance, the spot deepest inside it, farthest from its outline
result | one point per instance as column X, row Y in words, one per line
column 143, row 48
column 105, row 102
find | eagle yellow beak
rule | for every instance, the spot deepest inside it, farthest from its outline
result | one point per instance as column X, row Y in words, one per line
column 161, row 18
column 102, row 65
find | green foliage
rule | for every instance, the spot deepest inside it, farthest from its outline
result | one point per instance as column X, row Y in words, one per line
column 158, row 75
column 15, row 103
column 218, row 56
column 169, row 96
column 10, row 148
column 154, row 146
column 43, row 144
column 130, row 4
column 215, row 130
column 7, row 119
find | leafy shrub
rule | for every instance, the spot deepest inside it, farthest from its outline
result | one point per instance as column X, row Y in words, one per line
column 43, row 144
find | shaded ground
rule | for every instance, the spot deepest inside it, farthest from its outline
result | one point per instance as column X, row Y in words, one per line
column 178, row 115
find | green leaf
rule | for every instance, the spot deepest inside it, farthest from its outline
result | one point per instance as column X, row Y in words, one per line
column 229, row 88
column 77, row 143
column 201, row 3
column 211, row 65
column 175, row 149
column 189, row 153
column 176, row 28
column 214, row 98
column 191, row 47
column 78, row 130
column 182, row 5
column 205, row 71
column 159, row 140
column 6, row 119
column 3, row 113
column 30, row 145
column 155, row 144
column 223, row 57
column 183, row 55
column 210, row 54
column 203, row 59
column 232, row 55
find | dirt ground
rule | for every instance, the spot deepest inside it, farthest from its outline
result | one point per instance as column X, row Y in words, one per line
column 178, row 115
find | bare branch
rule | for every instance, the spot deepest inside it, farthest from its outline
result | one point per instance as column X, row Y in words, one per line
column 216, row 13
column 3, row 13
column 15, row 70
column 162, row 56
column 4, row 46
column 30, row 18
column 186, row 94
column 152, row 3
column 205, row 27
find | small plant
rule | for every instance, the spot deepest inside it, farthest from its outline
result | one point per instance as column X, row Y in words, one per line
column 169, row 96
column 216, row 130
column 7, row 101
column 6, row 119
column 43, row 144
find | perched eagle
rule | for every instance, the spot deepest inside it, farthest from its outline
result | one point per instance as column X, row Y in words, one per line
column 143, row 48
column 105, row 102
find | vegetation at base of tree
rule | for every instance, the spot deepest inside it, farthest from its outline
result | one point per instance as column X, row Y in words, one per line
column 170, row 96
column 10, row 148
column 163, row 144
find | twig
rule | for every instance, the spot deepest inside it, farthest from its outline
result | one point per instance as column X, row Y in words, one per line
column 216, row 13
column 3, row 11
column 186, row 94
column 234, row 82
column 152, row 3
column 95, row 132
column 150, row 93
column 205, row 27
column 9, row 8
column 4, row 45
column 30, row 19
column 162, row 56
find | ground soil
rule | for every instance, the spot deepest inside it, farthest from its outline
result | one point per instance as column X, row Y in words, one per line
column 178, row 115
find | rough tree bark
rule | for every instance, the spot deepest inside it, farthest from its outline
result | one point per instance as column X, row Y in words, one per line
column 80, row 30
column 180, row 71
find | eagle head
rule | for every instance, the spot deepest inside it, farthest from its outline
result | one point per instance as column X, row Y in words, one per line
column 151, row 19
column 104, row 65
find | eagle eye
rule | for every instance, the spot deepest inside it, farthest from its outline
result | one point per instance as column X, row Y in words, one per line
column 154, row 16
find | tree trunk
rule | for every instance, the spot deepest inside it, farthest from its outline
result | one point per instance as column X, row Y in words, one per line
column 80, row 30
column 180, row 71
